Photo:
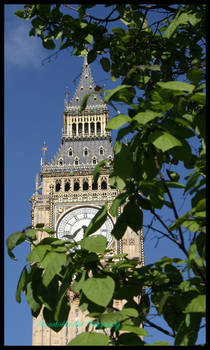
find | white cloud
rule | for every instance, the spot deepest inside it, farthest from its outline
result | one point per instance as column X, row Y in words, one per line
column 22, row 50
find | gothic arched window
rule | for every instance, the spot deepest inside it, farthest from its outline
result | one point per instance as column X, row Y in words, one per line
column 85, row 151
column 103, row 185
column 101, row 150
column 74, row 129
column 98, row 127
column 76, row 185
column 67, row 186
column 94, row 160
column 86, row 128
column 57, row 186
column 85, row 185
column 76, row 161
column 70, row 152
column 94, row 185
column 60, row 161
column 80, row 128
column 92, row 128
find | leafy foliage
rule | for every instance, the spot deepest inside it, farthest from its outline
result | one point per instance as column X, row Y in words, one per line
column 162, row 71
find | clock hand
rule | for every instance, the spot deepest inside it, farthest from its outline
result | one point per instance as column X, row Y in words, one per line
column 74, row 234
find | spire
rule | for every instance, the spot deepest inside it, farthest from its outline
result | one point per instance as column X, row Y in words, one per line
column 44, row 149
column 86, row 85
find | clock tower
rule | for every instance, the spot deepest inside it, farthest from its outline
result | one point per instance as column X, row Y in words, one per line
column 66, row 198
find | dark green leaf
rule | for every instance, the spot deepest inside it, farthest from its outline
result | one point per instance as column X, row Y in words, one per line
column 84, row 101
column 97, row 221
column 115, row 90
column 32, row 299
column 118, row 201
column 48, row 44
column 95, row 244
column 99, row 290
column 21, row 284
column 105, row 64
column 130, row 339
column 91, row 56
column 13, row 240
column 195, row 75
column 20, row 13
column 98, row 169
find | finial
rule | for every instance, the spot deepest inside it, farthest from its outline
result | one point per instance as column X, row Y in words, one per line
column 66, row 100
column 44, row 150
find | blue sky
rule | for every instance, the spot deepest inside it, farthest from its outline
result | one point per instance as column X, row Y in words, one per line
column 34, row 105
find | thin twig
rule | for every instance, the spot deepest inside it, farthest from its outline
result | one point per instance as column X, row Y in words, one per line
column 159, row 328
column 182, row 245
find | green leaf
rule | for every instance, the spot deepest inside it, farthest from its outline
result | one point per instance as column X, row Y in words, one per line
column 128, row 311
column 21, row 284
column 163, row 140
column 98, row 169
column 115, row 90
column 90, row 339
column 32, row 300
column 181, row 18
column 77, row 285
column 99, row 290
column 89, row 38
column 134, row 216
column 13, row 240
column 117, row 121
column 48, row 44
column 134, row 329
column 130, row 339
column 97, row 221
column 120, row 227
column 174, row 184
column 84, row 101
column 197, row 304
column 177, row 85
column 145, row 117
column 173, row 176
column 118, row 201
column 199, row 97
column 105, row 64
column 95, row 244
column 117, row 181
column 92, row 54
column 31, row 234
column 20, row 13
column 38, row 253
column 52, row 264
column 160, row 343
column 195, row 75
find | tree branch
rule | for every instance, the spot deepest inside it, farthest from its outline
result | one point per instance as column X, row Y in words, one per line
column 182, row 245
column 159, row 328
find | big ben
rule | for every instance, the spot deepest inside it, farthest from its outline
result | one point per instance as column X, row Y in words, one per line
column 66, row 197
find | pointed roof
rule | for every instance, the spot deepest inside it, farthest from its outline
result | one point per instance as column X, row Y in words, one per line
column 86, row 86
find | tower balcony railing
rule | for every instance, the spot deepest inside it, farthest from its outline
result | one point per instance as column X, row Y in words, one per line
column 85, row 134
column 55, row 168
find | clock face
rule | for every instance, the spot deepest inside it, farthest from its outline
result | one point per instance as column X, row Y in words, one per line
column 73, row 225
